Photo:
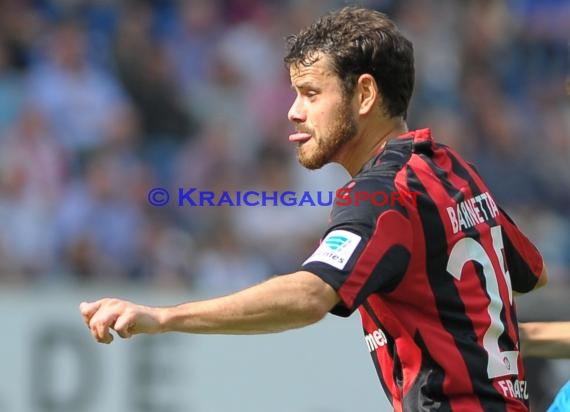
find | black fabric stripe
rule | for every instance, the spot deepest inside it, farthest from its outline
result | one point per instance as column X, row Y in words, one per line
column 462, row 172
column 505, row 341
column 382, row 168
column 429, row 381
column 374, row 356
column 391, row 160
column 525, row 280
column 453, row 192
column 382, row 278
column 448, row 301
column 513, row 259
column 377, row 281
column 443, row 177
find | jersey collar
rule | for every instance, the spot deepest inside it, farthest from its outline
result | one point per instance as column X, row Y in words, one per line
column 418, row 141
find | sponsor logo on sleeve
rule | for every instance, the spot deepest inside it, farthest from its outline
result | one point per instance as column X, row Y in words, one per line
column 336, row 249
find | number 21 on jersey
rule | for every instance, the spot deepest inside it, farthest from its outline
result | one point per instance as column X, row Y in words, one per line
column 500, row 363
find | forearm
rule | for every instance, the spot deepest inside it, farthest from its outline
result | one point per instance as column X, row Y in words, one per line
column 545, row 339
column 281, row 303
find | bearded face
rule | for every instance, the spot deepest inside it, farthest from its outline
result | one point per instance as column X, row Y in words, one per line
column 322, row 113
column 325, row 144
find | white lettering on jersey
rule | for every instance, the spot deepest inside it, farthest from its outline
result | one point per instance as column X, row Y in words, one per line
column 472, row 211
column 375, row 340
column 517, row 389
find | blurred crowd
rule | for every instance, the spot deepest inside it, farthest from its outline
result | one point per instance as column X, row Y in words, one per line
column 101, row 101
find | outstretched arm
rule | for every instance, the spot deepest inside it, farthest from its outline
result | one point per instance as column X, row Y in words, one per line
column 281, row 303
column 545, row 339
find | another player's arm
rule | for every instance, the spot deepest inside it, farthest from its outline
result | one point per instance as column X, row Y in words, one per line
column 545, row 339
column 281, row 303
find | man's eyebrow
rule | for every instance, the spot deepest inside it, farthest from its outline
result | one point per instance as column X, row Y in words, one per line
column 303, row 85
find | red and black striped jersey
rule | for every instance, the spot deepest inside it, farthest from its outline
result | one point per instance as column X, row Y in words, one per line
column 431, row 262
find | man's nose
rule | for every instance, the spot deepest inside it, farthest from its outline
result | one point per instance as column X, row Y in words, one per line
column 296, row 113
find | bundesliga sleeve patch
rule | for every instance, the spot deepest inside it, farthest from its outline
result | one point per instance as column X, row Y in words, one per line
column 336, row 249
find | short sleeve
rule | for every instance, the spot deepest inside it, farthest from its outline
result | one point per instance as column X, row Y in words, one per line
column 524, row 261
column 367, row 246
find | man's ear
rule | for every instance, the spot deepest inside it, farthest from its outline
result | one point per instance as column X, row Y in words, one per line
column 368, row 94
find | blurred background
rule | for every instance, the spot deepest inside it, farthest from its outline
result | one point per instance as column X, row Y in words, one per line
column 101, row 101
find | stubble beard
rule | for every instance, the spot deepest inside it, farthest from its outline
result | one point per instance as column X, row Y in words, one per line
column 341, row 132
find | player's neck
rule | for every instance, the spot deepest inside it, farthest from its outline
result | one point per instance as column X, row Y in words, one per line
column 370, row 141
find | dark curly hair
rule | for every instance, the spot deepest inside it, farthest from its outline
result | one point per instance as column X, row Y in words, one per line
column 360, row 41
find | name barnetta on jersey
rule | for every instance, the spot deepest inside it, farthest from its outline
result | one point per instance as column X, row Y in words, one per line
column 472, row 211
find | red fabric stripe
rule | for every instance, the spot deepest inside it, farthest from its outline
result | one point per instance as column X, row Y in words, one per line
column 440, row 342
column 407, row 350
column 512, row 405
column 476, row 306
column 526, row 249
column 384, row 359
column 389, row 222
column 479, row 315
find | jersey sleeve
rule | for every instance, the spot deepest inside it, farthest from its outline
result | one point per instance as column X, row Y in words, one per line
column 524, row 261
column 367, row 246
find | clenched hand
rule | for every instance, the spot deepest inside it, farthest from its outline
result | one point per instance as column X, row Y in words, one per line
column 124, row 317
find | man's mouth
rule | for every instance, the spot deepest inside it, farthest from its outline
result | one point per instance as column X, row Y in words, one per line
column 299, row 137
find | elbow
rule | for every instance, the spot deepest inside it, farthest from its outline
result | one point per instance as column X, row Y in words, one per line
column 319, row 302
column 316, row 310
column 314, row 297
column 311, row 314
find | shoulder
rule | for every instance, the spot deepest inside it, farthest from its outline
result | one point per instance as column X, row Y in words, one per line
column 366, row 197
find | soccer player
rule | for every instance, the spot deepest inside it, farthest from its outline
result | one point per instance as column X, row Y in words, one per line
column 548, row 340
column 432, row 275
column 562, row 400
column 545, row 339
